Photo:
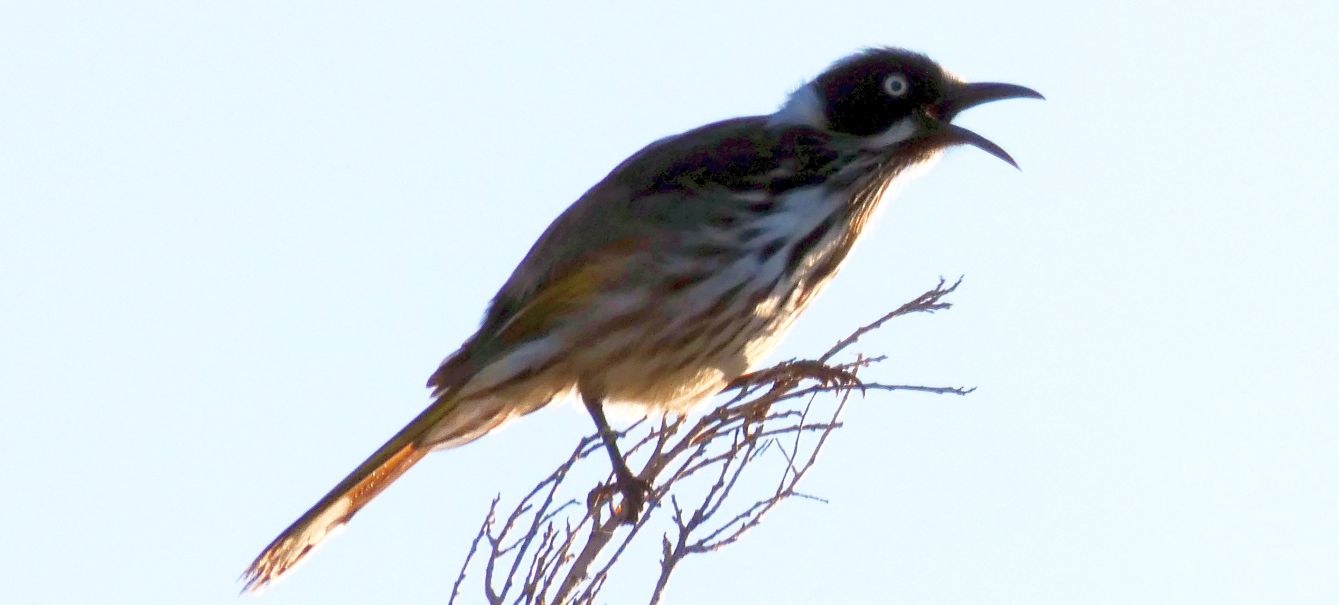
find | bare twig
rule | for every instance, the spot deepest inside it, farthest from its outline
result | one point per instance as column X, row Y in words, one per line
column 474, row 547
column 929, row 302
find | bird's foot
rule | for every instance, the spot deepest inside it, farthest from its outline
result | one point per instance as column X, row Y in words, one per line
column 826, row 375
column 635, row 492
column 797, row 370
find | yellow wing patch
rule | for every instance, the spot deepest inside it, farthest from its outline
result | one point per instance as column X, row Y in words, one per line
column 567, row 293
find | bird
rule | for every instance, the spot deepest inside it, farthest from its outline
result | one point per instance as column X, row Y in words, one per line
column 678, row 271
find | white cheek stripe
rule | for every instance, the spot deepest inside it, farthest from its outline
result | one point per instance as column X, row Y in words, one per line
column 901, row 130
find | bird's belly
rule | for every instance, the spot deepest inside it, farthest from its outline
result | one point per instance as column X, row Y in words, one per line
column 678, row 383
column 679, row 366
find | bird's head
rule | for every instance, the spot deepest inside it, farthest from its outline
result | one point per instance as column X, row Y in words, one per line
column 890, row 97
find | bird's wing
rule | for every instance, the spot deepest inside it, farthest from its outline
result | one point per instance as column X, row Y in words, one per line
column 656, row 188
column 670, row 186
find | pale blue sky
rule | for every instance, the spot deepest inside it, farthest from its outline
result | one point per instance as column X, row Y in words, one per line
column 235, row 238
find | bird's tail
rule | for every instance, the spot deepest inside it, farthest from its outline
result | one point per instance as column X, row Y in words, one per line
column 442, row 424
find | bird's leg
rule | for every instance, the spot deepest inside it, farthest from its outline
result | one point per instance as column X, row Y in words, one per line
column 634, row 489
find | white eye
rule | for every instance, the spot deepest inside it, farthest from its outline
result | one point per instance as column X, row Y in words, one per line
column 896, row 85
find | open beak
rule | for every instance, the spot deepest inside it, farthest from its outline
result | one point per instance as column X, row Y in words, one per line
column 970, row 95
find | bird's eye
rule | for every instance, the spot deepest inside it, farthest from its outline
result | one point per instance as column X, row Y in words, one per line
column 896, row 85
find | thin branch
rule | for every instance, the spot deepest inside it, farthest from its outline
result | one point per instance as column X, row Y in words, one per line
column 474, row 547
column 928, row 302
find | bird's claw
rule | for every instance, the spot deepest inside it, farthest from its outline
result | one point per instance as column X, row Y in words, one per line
column 634, row 491
column 826, row 375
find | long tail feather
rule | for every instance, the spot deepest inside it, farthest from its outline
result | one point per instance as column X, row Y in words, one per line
column 380, row 469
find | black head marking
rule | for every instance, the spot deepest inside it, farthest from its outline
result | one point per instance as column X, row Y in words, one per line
column 859, row 98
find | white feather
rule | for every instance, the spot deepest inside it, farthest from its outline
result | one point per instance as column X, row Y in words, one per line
column 804, row 108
